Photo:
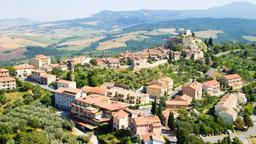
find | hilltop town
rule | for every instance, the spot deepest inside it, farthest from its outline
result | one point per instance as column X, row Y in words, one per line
column 174, row 93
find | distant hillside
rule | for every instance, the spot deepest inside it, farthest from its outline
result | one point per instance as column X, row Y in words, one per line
column 119, row 19
column 111, row 19
column 234, row 29
column 110, row 32
column 16, row 22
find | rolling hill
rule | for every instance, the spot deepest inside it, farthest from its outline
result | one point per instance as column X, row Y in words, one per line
column 111, row 32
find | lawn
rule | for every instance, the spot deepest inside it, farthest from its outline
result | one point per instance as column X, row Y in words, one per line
column 12, row 97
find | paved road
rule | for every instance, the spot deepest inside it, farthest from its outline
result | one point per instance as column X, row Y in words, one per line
column 47, row 88
column 166, row 133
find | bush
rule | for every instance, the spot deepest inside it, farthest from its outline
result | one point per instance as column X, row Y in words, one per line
column 34, row 137
column 68, row 125
column 3, row 99
column 47, row 100
column 28, row 98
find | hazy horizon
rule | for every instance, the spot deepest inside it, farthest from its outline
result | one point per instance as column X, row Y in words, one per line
column 53, row 10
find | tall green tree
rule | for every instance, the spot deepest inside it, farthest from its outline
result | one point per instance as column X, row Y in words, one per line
column 160, row 112
column 154, row 107
column 210, row 42
column 171, row 121
column 182, row 135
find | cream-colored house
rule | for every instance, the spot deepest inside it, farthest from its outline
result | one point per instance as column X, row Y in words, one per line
column 7, row 83
column 66, row 84
column 42, row 77
column 233, row 80
column 23, row 71
column 179, row 102
column 4, row 73
column 120, row 120
column 40, row 61
column 160, row 87
column 211, row 87
column 194, row 90
column 63, row 97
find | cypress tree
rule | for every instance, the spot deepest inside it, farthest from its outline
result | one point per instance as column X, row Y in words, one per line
column 171, row 121
column 210, row 42
column 154, row 107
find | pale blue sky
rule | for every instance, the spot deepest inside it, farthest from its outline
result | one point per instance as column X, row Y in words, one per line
column 47, row 10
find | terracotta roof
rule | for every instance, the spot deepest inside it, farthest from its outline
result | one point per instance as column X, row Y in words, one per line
column 232, row 76
column 93, row 99
column 157, row 82
column 180, row 100
column 195, row 85
column 25, row 66
column 45, row 75
column 3, row 70
column 86, row 89
column 99, row 90
column 166, row 79
column 41, row 56
column 120, row 114
column 147, row 120
column 39, row 71
column 64, row 81
column 72, row 91
column 154, row 86
column 94, row 90
column 211, row 83
column 4, row 79
column 166, row 113
column 113, row 106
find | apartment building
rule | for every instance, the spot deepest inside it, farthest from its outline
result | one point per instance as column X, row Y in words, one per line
column 211, row 87
column 233, row 80
column 42, row 77
column 40, row 61
column 4, row 73
column 128, row 96
column 65, row 96
column 23, row 71
column 66, row 84
column 95, row 109
column 160, row 87
column 7, row 83
column 228, row 106
column 193, row 89
column 179, row 102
